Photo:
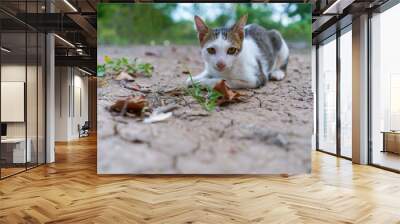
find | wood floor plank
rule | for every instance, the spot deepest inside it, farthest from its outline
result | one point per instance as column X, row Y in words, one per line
column 70, row 191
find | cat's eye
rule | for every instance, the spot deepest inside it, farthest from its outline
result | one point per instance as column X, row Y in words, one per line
column 231, row 50
column 211, row 50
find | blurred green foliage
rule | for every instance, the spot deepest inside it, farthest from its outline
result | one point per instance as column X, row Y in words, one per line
column 160, row 23
column 118, row 65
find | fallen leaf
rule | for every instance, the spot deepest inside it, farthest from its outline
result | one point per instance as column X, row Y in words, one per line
column 137, row 74
column 228, row 95
column 131, row 105
column 135, row 87
column 124, row 76
column 157, row 117
column 149, row 53
column 101, row 82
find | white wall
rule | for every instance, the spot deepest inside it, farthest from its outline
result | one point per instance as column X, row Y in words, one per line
column 71, row 93
column 61, row 103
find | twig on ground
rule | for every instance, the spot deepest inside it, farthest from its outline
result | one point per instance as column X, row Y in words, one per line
column 137, row 88
column 259, row 101
column 165, row 109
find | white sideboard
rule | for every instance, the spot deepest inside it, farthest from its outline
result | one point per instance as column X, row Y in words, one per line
column 18, row 145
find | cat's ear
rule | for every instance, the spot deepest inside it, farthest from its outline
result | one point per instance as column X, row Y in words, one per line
column 201, row 27
column 239, row 26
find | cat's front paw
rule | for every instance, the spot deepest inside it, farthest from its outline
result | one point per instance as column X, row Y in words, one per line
column 193, row 80
column 277, row 75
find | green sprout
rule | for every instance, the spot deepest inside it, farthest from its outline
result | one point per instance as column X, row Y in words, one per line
column 146, row 69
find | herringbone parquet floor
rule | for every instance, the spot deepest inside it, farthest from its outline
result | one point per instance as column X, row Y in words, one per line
column 70, row 191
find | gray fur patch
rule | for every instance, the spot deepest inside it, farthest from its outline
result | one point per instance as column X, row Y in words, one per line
column 261, row 77
column 221, row 31
column 284, row 66
column 226, row 34
column 269, row 41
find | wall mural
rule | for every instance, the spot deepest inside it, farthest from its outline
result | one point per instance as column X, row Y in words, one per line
column 200, row 88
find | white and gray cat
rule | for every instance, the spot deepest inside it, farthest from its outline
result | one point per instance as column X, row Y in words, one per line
column 245, row 56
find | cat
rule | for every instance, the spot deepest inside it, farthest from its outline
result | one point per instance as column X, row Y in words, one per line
column 245, row 56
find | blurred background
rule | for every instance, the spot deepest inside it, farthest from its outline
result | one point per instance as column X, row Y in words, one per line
column 172, row 23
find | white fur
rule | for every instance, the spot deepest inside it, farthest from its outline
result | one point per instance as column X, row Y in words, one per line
column 283, row 54
column 241, row 70
column 277, row 74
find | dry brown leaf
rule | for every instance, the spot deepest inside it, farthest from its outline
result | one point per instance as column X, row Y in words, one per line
column 136, row 74
column 149, row 53
column 133, row 105
column 228, row 95
column 135, row 87
column 124, row 76
column 101, row 82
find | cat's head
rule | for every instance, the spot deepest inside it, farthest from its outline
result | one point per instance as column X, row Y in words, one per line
column 221, row 46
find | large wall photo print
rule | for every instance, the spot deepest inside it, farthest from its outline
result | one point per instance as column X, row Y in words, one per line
column 204, row 88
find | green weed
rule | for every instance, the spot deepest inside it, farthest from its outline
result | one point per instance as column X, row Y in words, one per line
column 205, row 96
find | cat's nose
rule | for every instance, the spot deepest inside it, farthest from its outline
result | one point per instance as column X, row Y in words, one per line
column 220, row 65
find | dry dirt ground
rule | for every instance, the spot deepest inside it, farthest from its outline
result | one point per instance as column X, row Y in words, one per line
column 270, row 132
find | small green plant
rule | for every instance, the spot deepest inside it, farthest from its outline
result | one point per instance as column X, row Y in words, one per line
column 101, row 70
column 116, row 66
column 146, row 68
column 205, row 96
